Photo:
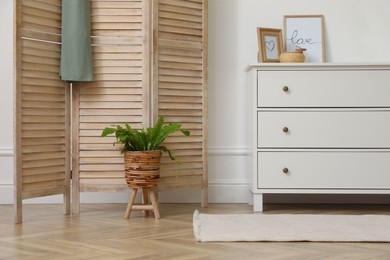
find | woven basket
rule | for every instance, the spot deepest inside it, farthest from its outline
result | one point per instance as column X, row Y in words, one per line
column 142, row 168
column 290, row 57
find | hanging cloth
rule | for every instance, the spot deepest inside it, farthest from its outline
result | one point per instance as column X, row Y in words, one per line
column 76, row 54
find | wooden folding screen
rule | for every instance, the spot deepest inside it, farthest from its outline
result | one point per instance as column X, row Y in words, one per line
column 41, row 105
column 150, row 59
column 180, row 88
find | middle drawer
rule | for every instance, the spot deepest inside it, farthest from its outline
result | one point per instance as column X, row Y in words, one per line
column 323, row 129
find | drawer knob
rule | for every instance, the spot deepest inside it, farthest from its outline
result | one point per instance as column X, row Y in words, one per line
column 285, row 129
column 285, row 170
column 285, row 88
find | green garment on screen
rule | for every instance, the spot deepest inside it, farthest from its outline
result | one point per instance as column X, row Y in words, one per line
column 76, row 55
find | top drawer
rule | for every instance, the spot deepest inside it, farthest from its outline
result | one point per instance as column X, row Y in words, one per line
column 331, row 88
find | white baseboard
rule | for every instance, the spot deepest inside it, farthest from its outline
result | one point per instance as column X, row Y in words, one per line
column 6, row 152
column 229, row 151
column 7, row 193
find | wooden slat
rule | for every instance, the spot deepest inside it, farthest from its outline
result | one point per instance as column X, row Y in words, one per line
column 116, row 4
column 101, row 126
column 102, row 167
column 118, row 70
column 41, row 13
column 179, row 3
column 41, row 52
column 120, row 33
column 39, row 45
column 114, row 26
column 40, row 60
column 43, row 185
column 180, row 37
column 118, row 11
column 113, row 84
column 179, row 9
column 42, row 112
column 180, row 17
column 43, row 177
column 43, row 163
column 40, row 126
column 43, row 97
column 120, row 50
column 44, row 90
column 114, row 63
column 118, row 56
column 87, row 160
column 101, row 154
column 183, row 24
column 180, row 44
column 184, row 181
column 38, row 104
column 180, row 65
column 43, row 155
column 44, row 192
column 110, row 91
column 51, row 6
column 111, row 112
column 192, row 80
column 116, row 19
column 40, row 27
column 113, row 98
column 181, row 72
column 116, row 40
column 111, row 119
column 111, row 105
column 43, row 170
column 43, row 141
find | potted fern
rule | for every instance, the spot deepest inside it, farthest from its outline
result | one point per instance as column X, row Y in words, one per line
column 142, row 151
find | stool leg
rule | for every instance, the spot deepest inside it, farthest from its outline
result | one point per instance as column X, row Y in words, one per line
column 154, row 203
column 145, row 200
column 131, row 202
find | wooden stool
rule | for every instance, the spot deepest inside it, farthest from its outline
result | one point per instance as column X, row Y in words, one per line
column 145, row 206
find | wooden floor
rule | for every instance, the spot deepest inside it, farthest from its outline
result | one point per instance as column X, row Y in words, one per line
column 100, row 232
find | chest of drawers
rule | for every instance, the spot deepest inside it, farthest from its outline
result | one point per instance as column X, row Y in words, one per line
column 320, row 128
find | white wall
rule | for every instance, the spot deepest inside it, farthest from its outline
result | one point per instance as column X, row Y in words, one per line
column 355, row 31
column 6, row 105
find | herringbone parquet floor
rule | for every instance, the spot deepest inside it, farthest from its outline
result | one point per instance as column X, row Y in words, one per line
column 100, row 232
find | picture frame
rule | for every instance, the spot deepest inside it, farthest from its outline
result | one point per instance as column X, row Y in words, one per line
column 270, row 44
column 307, row 32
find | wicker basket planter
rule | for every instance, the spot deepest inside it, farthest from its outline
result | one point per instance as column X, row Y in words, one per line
column 142, row 168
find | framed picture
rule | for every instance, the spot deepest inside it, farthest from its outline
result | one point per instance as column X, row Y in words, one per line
column 305, row 31
column 270, row 44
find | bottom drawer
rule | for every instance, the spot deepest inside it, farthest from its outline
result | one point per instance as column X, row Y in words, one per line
column 323, row 170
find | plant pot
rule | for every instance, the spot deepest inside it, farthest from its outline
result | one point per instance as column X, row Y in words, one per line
column 142, row 168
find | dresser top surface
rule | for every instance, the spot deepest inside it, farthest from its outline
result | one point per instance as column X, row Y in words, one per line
column 317, row 66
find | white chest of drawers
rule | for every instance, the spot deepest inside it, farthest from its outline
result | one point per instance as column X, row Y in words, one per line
column 320, row 128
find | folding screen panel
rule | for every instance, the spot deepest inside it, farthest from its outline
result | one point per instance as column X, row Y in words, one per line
column 118, row 94
column 180, row 88
column 41, row 105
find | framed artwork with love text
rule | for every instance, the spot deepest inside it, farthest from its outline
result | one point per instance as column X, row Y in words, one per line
column 307, row 32
column 270, row 44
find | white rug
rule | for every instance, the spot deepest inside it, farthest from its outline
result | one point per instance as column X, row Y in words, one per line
column 291, row 227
